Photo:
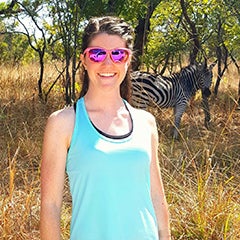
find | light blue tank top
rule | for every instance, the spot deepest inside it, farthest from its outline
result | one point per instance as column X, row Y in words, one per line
column 110, row 182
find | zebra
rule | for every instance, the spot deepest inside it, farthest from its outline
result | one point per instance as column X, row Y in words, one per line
column 174, row 91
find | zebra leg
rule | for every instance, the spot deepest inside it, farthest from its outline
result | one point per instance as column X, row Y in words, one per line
column 178, row 112
column 206, row 110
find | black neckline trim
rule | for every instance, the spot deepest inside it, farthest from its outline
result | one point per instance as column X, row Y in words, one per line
column 115, row 136
column 109, row 135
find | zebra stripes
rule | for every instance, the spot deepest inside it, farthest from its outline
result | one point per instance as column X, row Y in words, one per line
column 174, row 91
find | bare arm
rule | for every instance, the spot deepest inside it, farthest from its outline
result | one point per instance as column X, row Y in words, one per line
column 55, row 144
column 157, row 190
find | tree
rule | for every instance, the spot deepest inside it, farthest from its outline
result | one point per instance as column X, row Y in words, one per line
column 20, row 10
column 233, row 42
column 196, row 29
column 8, row 9
column 67, row 25
column 191, row 29
column 12, row 47
column 142, row 31
column 166, row 41
column 167, row 32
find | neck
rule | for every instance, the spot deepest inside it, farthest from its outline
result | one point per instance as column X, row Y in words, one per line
column 103, row 101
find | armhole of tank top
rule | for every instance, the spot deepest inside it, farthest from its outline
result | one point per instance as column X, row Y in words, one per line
column 75, row 107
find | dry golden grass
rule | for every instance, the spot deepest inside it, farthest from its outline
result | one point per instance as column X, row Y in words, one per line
column 201, row 171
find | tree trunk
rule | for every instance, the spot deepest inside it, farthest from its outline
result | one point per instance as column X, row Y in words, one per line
column 239, row 94
column 141, row 31
column 219, row 63
column 111, row 7
column 40, row 80
column 139, row 43
column 75, row 47
column 193, row 34
column 67, row 85
column 222, row 57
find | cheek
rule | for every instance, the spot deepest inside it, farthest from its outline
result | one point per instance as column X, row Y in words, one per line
column 123, row 71
column 90, row 66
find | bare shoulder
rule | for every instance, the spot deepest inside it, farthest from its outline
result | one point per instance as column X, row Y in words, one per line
column 61, row 123
column 62, row 115
column 148, row 119
column 147, row 116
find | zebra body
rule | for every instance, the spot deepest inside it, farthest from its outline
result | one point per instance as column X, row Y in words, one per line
column 174, row 91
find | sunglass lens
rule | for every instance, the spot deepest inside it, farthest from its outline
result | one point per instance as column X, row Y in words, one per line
column 119, row 55
column 97, row 55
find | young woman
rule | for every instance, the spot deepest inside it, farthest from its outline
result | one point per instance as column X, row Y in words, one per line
column 108, row 148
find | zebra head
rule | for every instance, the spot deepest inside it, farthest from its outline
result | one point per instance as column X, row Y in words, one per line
column 205, row 77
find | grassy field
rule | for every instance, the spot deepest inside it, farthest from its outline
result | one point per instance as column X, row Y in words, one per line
column 200, row 172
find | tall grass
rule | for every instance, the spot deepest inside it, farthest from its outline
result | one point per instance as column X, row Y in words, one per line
column 200, row 172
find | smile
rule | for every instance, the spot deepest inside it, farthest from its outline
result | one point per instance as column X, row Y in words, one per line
column 107, row 74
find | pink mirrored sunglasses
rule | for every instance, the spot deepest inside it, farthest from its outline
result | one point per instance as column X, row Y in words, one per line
column 98, row 55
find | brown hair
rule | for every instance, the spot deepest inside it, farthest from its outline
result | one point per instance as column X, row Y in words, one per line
column 113, row 26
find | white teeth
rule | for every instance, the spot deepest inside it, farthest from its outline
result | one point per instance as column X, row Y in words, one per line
column 106, row 74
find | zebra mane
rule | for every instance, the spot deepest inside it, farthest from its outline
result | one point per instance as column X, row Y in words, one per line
column 184, row 72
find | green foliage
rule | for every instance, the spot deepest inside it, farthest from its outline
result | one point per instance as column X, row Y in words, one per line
column 166, row 35
column 63, row 24
column 169, row 32
column 2, row 5
column 13, row 48
column 30, row 56
column 133, row 10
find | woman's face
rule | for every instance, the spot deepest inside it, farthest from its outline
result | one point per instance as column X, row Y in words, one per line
column 106, row 75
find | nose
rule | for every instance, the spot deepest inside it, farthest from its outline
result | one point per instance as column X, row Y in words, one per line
column 108, row 59
column 206, row 92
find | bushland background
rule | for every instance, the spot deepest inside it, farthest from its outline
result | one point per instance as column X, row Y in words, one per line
column 40, row 46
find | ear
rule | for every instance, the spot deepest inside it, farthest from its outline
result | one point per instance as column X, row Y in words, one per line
column 212, row 65
column 129, row 60
column 83, row 61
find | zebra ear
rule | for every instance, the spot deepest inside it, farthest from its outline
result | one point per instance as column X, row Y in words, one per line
column 212, row 65
column 202, row 65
